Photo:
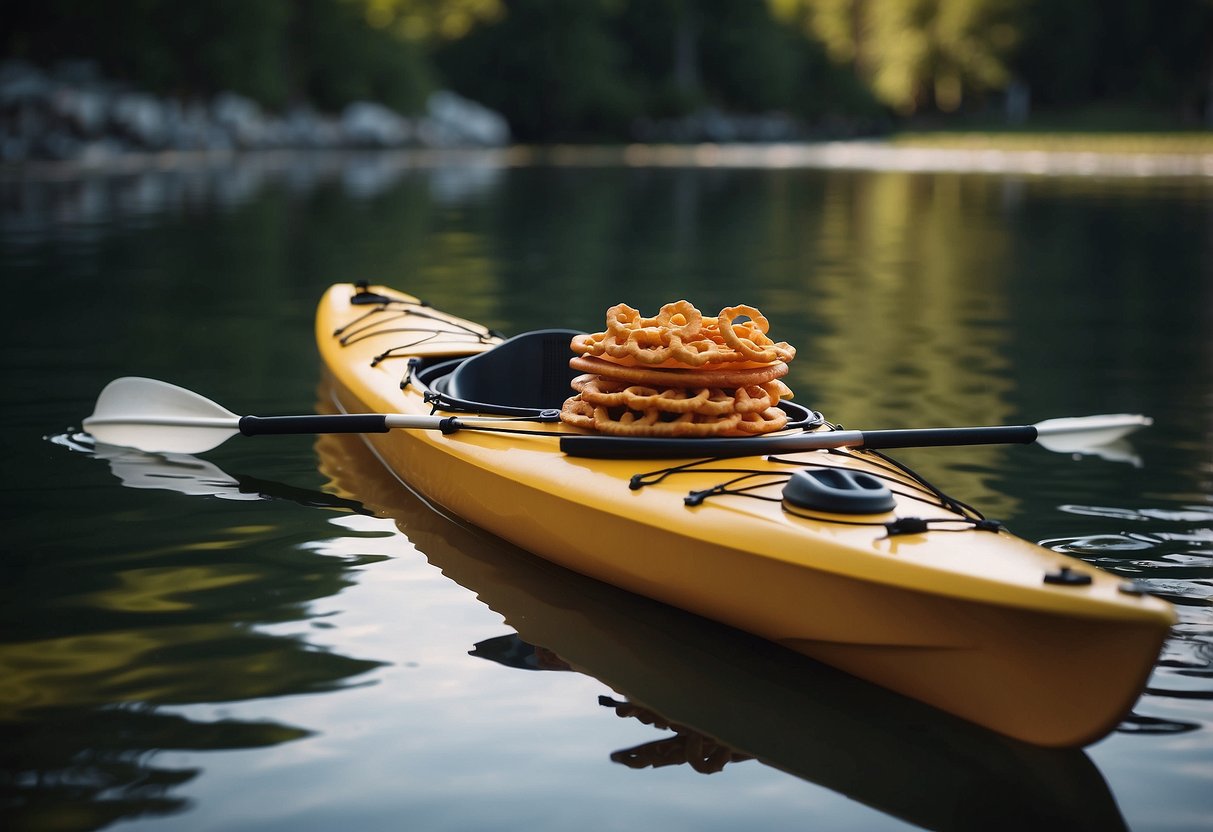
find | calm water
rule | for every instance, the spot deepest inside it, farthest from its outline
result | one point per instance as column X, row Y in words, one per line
column 277, row 636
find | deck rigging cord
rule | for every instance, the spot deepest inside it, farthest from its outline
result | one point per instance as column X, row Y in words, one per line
column 745, row 482
column 385, row 311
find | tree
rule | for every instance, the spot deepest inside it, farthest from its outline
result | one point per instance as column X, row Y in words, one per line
column 426, row 20
column 1120, row 52
column 552, row 66
column 916, row 54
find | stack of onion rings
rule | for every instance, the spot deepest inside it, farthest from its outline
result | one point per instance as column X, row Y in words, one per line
column 679, row 374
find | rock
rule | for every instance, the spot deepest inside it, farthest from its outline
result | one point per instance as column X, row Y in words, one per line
column 74, row 113
column 22, row 83
column 77, row 72
column 140, row 117
column 58, row 144
column 306, row 128
column 367, row 124
column 241, row 117
column 713, row 125
column 85, row 110
column 100, row 151
column 455, row 120
column 14, row 148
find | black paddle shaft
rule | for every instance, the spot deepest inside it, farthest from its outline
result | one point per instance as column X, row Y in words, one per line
column 624, row 447
column 341, row 423
column 941, row 437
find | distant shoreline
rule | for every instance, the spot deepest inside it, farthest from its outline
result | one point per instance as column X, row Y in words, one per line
column 1111, row 155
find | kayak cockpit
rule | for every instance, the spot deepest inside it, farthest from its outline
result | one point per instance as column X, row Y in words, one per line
column 522, row 376
column 525, row 376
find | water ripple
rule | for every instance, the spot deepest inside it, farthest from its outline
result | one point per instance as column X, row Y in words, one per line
column 1172, row 558
column 1186, row 514
column 1177, row 562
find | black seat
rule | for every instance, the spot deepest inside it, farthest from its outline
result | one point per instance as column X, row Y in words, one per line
column 530, row 370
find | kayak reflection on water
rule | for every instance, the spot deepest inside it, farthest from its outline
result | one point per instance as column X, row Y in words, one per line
column 672, row 668
column 686, row 747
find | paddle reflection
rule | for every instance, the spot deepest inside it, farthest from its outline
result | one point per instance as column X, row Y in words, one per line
column 89, row 694
column 727, row 696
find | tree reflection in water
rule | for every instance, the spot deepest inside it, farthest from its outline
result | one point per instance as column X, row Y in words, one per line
column 84, row 768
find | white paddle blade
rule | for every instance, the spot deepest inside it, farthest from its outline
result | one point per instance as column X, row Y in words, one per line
column 156, row 416
column 1080, row 433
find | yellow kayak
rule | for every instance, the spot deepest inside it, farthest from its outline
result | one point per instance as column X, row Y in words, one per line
column 836, row 553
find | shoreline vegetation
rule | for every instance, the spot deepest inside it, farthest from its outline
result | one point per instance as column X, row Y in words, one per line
column 841, row 81
column 660, row 83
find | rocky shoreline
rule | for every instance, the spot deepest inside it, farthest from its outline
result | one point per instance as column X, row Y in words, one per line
column 70, row 121
column 71, row 113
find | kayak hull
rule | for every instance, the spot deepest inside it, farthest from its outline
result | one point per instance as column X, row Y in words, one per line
column 726, row 694
column 959, row 619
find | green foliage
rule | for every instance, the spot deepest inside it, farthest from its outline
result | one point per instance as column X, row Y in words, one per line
column 916, row 54
column 749, row 61
column 570, row 69
column 338, row 58
column 551, row 65
column 421, row 20
column 161, row 45
column 587, row 69
column 1126, row 51
column 274, row 51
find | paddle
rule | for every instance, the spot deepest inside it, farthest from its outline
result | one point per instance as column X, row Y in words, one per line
column 1069, row 435
column 152, row 415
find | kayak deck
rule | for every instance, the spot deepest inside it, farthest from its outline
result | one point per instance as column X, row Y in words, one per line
column 953, row 611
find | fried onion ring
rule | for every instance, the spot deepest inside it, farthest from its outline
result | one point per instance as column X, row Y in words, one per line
column 706, row 401
column 768, row 421
column 578, row 413
column 671, row 313
column 695, row 378
column 750, row 340
column 680, row 335
column 625, row 422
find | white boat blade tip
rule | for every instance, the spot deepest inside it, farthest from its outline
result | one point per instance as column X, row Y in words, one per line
column 158, row 417
column 1081, row 433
